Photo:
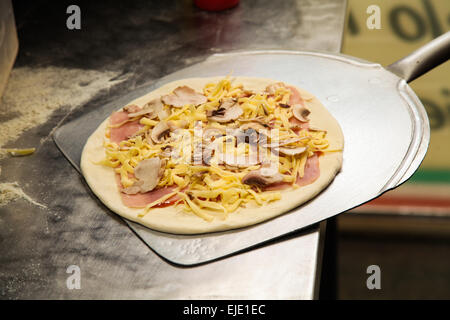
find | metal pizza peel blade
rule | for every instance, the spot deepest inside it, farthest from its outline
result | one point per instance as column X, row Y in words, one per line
column 385, row 127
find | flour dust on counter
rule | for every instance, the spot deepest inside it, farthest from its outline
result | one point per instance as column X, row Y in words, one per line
column 30, row 98
column 33, row 94
column 11, row 191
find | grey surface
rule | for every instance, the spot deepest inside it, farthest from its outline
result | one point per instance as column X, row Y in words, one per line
column 144, row 40
column 378, row 154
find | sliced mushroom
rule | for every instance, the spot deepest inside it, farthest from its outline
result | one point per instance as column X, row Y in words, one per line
column 148, row 138
column 248, row 135
column 290, row 151
column 150, row 110
column 160, row 132
column 257, row 126
column 158, row 107
column 166, row 152
column 182, row 96
column 132, row 108
column 300, row 112
column 132, row 189
column 228, row 110
column 213, row 150
column 208, row 152
column 162, row 167
column 272, row 88
column 148, row 172
column 163, row 114
column 210, row 133
column 264, row 176
column 241, row 161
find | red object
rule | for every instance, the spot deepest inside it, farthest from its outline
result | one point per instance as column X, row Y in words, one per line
column 215, row 5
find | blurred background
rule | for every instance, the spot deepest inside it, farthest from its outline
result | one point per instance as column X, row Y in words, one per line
column 407, row 230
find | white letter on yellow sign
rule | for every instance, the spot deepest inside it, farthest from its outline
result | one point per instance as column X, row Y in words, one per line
column 374, row 20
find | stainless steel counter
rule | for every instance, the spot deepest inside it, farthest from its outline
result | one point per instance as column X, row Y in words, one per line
column 136, row 43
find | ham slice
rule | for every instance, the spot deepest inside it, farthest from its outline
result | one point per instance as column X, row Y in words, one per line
column 140, row 200
column 182, row 96
column 122, row 133
column 312, row 172
column 126, row 130
column 312, row 169
column 295, row 97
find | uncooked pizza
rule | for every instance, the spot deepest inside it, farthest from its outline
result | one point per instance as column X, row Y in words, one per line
column 209, row 154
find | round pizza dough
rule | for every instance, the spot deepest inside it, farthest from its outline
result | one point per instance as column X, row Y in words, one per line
column 101, row 179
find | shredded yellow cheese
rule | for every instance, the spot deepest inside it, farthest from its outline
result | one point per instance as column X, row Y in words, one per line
column 20, row 152
column 215, row 190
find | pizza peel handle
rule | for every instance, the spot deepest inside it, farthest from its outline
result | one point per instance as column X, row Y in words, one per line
column 423, row 59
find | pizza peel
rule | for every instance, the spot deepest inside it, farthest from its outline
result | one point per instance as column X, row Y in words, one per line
column 385, row 128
